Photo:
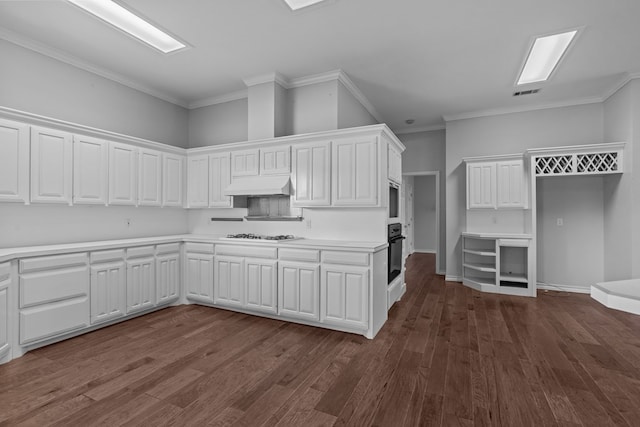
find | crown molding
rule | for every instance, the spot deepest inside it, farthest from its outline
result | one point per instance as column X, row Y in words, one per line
column 359, row 96
column 220, row 99
column 522, row 109
column 418, row 129
column 273, row 77
column 622, row 83
column 51, row 52
column 315, row 79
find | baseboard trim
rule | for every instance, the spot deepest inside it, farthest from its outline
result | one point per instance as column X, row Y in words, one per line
column 564, row 288
column 452, row 279
column 424, row 251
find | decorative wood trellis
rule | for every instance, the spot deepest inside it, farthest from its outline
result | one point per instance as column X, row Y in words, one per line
column 593, row 159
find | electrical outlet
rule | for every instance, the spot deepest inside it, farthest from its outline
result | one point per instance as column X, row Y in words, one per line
column 128, row 222
column 308, row 222
column 560, row 222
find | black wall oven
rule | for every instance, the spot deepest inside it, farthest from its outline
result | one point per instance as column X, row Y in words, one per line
column 395, row 238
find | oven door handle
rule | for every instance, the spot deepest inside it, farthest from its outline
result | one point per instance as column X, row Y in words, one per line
column 394, row 239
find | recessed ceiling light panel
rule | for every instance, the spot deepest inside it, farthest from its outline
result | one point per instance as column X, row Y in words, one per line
column 544, row 56
column 123, row 19
column 299, row 4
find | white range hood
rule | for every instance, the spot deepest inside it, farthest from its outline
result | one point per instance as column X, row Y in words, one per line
column 259, row 186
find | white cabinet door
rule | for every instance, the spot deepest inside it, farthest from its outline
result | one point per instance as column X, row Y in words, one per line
column 51, row 166
column 395, row 165
column 245, row 163
column 123, row 176
column 172, row 179
column 344, row 296
column 167, row 277
column 481, row 185
column 511, row 189
column 90, row 170
column 5, row 282
column 149, row 177
column 219, row 179
column 311, row 174
column 199, row 277
column 275, row 160
column 198, row 182
column 354, row 172
column 141, row 284
column 14, row 161
column 298, row 290
column 108, row 291
column 261, row 280
column 228, row 288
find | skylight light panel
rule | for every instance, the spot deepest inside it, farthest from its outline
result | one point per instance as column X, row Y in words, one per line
column 544, row 56
column 299, row 4
column 123, row 19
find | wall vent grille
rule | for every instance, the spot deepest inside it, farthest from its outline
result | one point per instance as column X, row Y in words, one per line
column 526, row 92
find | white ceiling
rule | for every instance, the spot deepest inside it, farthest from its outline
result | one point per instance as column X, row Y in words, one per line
column 412, row 59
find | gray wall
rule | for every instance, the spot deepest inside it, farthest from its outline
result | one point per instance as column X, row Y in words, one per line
column 424, row 213
column 351, row 112
column 508, row 134
column 312, row 108
column 38, row 84
column 218, row 124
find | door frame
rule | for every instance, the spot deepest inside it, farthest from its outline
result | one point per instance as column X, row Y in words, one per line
column 437, row 175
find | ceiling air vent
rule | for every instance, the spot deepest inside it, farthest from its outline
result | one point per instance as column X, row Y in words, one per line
column 526, row 92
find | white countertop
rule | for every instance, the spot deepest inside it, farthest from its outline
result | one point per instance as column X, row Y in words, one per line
column 8, row 254
column 482, row 235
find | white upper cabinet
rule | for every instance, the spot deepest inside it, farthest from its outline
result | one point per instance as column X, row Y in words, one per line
column 122, row 174
column 51, row 166
column 172, row 179
column 149, row 177
column 481, row 185
column 90, row 170
column 245, row 162
column 511, row 184
column 311, row 174
column 14, row 161
column 355, row 172
column 275, row 160
column 219, row 179
column 394, row 168
column 198, row 181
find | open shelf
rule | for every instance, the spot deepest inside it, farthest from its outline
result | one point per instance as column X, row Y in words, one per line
column 489, row 253
column 487, row 267
column 480, row 281
column 519, row 278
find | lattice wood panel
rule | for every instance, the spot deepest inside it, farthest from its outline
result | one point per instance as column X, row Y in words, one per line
column 554, row 165
column 597, row 162
column 578, row 163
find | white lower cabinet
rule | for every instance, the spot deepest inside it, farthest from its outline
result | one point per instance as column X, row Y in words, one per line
column 141, row 283
column 229, row 282
column 54, row 296
column 5, row 283
column 344, row 296
column 298, row 290
column 108, row 285
column 199, row 272
column 261, row 284
column 167, row 273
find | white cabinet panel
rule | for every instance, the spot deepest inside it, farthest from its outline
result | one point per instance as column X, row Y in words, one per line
column 481, row 185
column 51, row 166
column 123, row 176
column 198, row 182
column 344, row 296
column 141, row 284
column 5, row 283
column 275, row 160
column 173, row 179
column 14, row 161
column 311, row 174
column 167, row 277
column 219, row 179
column 149, row 177
column 90, row 170
column 199, row 276
column 394, row 168
column 261, row 285
column 229, row 281
column 108, row 291
column 45, row 321
column 511, row 184
column 245, row 163
column 298, row 290
column 355, row 172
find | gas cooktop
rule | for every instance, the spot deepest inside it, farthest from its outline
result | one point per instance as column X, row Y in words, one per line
column 260, row 238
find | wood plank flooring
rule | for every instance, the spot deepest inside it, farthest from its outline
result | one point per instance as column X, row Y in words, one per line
column 447, row 356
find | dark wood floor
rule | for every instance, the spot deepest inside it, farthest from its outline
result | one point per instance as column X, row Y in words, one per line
column 447, row 356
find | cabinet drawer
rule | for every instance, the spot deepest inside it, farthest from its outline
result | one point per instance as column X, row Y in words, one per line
column 247, row 251
column 348, row 258
column 49, row 320
column 53, row 261
column 53, row 285
column 142, row 251
column 169, row 248
column 203, row 248
column 308, row 255
column 5, row 271
column 519, row 243
column 106, row 256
